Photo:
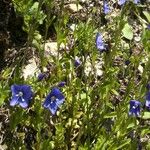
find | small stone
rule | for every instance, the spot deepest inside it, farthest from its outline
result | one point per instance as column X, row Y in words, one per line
column 73, row 26
column 74, row 7
column 51, row 49
column 137, row 39
column 89, row 68
column 140, row 68
column 31, row 69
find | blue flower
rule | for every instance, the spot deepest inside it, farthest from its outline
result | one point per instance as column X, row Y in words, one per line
column 61, row 84
column 148, row 26
column 41, row 76
column 121, row 2
column 53, row 101
column 136, row 1
column 134, row 108
column 147, row 102
column 148, row 86
column 99, row 42
column 21, row 94
column 106, row 8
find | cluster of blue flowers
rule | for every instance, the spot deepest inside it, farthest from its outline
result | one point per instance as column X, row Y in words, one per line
column 22, row 95
column 135, row 106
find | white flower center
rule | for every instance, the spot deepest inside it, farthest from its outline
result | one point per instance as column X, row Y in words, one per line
column 135, row 106
column 53, row 98
column 20, row 94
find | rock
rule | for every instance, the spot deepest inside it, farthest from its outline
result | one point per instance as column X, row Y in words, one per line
column 74, row 7
column 31, row 69
column 137, row 39
column 72, row 27
column 140, row 68
column 3, row 147
column 51, row 49
column 97, row 70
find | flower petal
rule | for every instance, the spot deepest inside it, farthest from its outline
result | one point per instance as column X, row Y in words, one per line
column 136, row 1
column 147, row 103
column 53, row 108
column 27, row 93
column 15, row 89
column 57, row 93
column 47, row 101
column 59, row 102
column 148, row 96
column 41, row 76
column 77, row 63
column 106, row 8
column 24, row 104
column 61, row 84
column 148, row 26
column 14, row 101
column 121, row 2
column 99, row 42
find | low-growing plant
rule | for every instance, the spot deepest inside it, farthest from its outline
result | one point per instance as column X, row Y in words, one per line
column 94, row 93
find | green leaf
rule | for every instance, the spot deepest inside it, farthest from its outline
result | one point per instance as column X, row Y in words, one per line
column 115, row 92
column 123, row 144
column 131, row 125
column 127, row 31
column 146, row 115
column 147, row 15
column 111, row 115
column 145, row 131
column 83, row 96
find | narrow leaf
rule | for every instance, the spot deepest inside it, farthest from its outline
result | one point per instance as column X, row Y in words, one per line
column 147, row 15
